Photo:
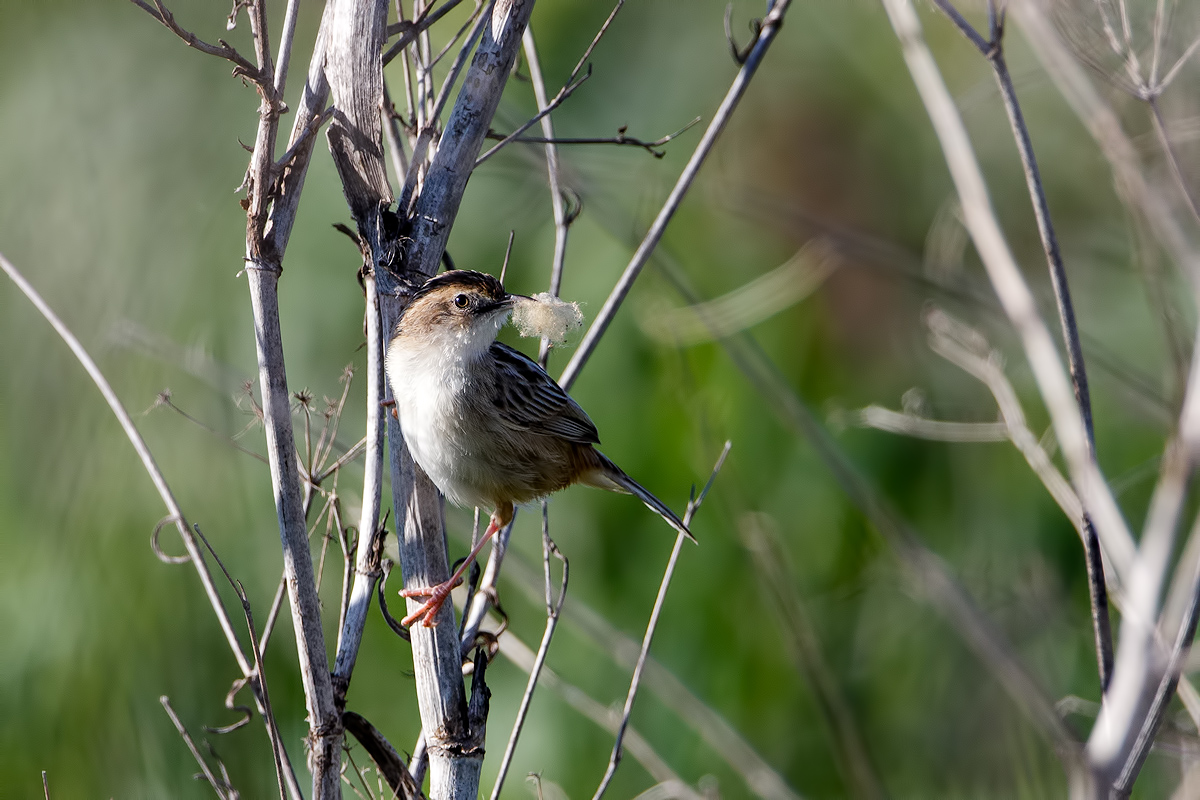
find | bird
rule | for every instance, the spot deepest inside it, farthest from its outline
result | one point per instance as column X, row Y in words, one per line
column 485, row 422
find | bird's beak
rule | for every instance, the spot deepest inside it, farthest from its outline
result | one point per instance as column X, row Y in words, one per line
column 502, row 305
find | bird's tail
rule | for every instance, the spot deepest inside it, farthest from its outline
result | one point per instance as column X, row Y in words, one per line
column 614, row 479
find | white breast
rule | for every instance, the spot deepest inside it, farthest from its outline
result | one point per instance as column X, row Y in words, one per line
column 431, row 383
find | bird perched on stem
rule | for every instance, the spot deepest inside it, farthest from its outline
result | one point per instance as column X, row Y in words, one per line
column 488, row 426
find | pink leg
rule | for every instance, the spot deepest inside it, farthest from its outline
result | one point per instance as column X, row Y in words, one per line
column 437, row 594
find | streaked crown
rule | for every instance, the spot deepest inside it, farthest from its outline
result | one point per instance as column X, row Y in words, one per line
column 454, row 300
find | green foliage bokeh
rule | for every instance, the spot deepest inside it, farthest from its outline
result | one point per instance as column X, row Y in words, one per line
column 119, row 157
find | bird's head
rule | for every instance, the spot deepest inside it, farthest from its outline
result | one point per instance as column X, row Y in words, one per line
column 460, row 310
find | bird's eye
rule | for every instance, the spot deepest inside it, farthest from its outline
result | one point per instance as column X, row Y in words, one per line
column 461, row 301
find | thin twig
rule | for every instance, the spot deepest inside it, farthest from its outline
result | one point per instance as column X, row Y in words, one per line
column 845, row 739
column 635, row 682
column 929, row 575
column 619, row 139
column 936, row 430
column 285, row 45
column 1128, row 708
column 1011, row 288
column 148, row 463
column 573, row 82
column 1169, row 672
column 220, row 50
column 260, row 676
column 1164, row 138
column 218, row 786
column 558, row 204
column 770, row 27
column 370, row 533
column 993, row 51
column 523, row 657
column 967, row 349
column 553, row 612
column 476, row 22
column 409, row 30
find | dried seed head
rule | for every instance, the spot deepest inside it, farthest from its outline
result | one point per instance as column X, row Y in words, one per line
column 545, row 316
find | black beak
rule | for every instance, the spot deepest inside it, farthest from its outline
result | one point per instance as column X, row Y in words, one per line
column 505, row 303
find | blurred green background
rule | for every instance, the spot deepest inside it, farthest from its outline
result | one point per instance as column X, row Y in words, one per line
column 119, row 157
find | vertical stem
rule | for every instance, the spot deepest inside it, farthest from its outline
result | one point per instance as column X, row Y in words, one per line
column 325, row 731
column 1097, row 589
column 557, row 204
column 367, row 559
column 455, row 758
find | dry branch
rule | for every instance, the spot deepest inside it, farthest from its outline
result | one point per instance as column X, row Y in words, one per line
column 767, row 31
column 993, row 50
column 1011, row 288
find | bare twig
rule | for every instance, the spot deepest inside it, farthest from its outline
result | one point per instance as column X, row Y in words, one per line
column 386, row 759
column 846, row 741
column 218, row 786
column 263, row 279
column 1011, row 288
column 553, row 612
column 993, row 51
column 1129, row 712
column 370, row 534
column 260, row 677
column 928, row 574
column 1164, row 138
column 410, row 30
column 523, row 657
column 558, row 204
column 222, row 49
column 936, row 430
column 620, row 139
column 573, row 82
column 967, row 349
column 770, row 27
column 1169, row 670
column 635, row 682
column 476, row 23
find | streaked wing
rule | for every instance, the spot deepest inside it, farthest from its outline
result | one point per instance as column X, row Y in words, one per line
column 528, row 399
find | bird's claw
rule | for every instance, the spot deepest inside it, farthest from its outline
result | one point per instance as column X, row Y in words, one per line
column 428, row 611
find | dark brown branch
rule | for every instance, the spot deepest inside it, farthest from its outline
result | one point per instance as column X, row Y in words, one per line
column 387, row 760
column 220, row 50
column 620, row 138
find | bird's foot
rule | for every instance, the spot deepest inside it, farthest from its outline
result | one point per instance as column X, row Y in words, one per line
column 437, row 596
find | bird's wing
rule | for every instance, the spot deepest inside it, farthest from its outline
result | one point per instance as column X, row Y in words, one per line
column 528, row 399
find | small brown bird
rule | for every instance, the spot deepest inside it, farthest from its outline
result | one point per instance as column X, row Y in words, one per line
column 488, row 426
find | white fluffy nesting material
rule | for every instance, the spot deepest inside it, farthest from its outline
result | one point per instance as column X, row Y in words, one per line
column 545, row 316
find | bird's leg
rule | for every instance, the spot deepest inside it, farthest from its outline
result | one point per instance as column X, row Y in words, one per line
column 437, row 594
